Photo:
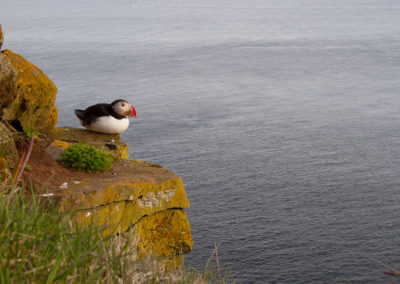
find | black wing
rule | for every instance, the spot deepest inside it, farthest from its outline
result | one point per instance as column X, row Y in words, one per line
column 89, row 115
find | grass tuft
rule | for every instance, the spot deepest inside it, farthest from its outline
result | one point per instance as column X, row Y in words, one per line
column 83, row 156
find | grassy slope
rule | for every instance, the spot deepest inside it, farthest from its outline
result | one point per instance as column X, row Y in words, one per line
column 39, row 245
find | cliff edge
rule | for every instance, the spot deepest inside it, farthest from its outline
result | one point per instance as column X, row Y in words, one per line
column 144, row 198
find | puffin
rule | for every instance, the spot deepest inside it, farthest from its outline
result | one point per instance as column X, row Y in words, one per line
column 107, row 118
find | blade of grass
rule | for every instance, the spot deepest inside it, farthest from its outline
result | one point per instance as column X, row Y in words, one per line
column 53, row 272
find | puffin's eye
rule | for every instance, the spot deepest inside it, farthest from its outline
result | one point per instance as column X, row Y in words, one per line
column 123, row 104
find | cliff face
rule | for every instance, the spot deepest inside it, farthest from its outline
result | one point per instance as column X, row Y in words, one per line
column 32, row 106
column 150, row 199
column 144, row 198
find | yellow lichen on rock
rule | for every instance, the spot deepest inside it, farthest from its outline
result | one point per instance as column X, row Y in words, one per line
column 60, row 143
column 136, row 192
column 53, row 116
column 148, row 196
column 56, row 148
column 165, row 233
column 120, row 206
column 33, row 107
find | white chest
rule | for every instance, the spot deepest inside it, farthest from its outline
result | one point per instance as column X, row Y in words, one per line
column 109, row 125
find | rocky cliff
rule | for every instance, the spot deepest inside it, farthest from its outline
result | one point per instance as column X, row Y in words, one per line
column 144, row 198
column 28, row 94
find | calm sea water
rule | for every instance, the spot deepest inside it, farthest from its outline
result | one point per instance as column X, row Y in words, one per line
column 282, row 117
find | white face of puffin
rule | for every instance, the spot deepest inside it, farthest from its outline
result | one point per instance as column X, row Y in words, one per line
column 123, row 108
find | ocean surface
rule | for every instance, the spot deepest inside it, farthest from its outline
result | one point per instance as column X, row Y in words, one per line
column 281, row 116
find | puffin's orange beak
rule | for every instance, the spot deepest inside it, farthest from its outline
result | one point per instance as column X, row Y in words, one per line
column 132, row 112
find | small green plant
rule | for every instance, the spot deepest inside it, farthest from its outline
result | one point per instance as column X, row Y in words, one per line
column 30, row 132
column 83, row 156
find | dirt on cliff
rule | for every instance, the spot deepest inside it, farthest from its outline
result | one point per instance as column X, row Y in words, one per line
column 48, row 175
column 45, row 173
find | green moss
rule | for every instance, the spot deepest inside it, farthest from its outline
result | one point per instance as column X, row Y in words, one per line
column 82, row 156
column 3, row 150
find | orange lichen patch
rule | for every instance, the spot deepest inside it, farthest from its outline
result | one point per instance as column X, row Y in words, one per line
column 60, row 143
column 34, row 105
column 53, row 114
column 165, row 233
column 56, row 148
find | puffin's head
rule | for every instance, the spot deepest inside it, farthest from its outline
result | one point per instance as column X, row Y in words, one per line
column 122, row 107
